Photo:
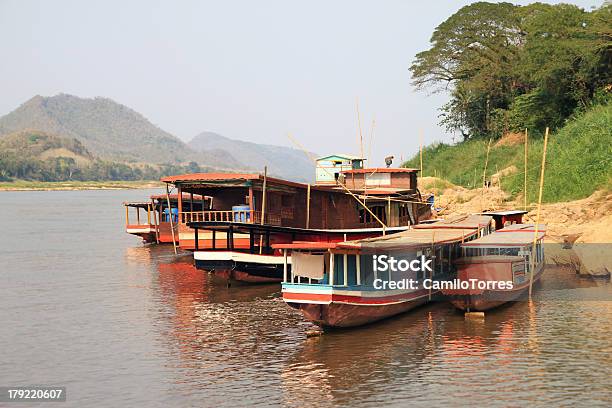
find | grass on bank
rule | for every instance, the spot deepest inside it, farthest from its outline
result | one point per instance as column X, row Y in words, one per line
column 76, row 185
column 579, row 160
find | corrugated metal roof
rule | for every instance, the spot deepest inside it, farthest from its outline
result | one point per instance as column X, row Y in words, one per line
column 380, row 170
column 383, row 190
column 343, row 156
column 186, row 196
column 204, row 177
column 459, row 222
column 512, row 236
column 505, row 212
column 210, row 176
column 411, row 238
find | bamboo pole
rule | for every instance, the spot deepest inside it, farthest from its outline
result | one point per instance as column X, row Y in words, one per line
column 535, row 230
column 156, row 222
column 263, row 206
column 484, row 174
column 525, row 181
column 308, row 206
column 371, row 139
column 433, row 250
column 421, row 150
column 170, row 216
column 360, row 140
column 498, row 177
column 435, row 189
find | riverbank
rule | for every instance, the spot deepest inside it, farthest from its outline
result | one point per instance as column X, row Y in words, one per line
column 584, row 220
column 23, row 185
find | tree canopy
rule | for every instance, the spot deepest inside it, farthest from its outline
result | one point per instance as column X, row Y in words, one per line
column 510, row 67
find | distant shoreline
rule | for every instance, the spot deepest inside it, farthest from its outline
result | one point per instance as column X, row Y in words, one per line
column 22, row 185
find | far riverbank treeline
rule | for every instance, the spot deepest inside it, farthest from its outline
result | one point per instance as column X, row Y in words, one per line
column 38, row 156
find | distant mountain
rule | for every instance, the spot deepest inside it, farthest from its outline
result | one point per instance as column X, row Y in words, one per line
column 107, row 129
column 113, row 133
column 282, row 161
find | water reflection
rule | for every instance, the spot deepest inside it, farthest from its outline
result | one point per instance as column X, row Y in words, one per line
column 222, row 340
column 122, row 324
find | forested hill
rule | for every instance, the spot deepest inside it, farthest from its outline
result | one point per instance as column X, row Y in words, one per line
column 282, row 161
column 40, row 156
column 66, row 137
column 107, row 129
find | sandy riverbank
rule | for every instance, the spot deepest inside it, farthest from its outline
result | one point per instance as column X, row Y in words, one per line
column 581, row 228
column 77, row 185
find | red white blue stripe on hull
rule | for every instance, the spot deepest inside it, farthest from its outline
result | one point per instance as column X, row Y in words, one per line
column 330, row 306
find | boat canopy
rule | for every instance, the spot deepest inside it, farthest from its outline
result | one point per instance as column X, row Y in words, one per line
column 459, row 222
column 459, row 229
column 413, row 238
column 515, row 235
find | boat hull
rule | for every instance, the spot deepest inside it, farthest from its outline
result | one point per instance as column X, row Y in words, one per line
column 343, row 315
column 488, row 299
column 241, row 267
column 346, row 308
column 144, row 231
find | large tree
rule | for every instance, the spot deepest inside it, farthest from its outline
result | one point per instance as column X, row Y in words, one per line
column 507, row 66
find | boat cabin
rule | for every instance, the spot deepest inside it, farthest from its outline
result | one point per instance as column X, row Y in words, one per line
column 328, row 168
column 428, row 239
column 512, row 240
column 506, row 255
column 506, row 217
column 250, row 201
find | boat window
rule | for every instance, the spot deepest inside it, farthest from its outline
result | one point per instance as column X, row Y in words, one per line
column 379, row 210
column 338, row 269
column 440, row 261
column 509, row 251
column 352, row 270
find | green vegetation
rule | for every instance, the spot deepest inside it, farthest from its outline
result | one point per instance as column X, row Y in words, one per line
column 579, row 160
column 511, row 67
column 38, row 156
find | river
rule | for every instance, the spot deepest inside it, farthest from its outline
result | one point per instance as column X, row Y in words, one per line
column 86, row 306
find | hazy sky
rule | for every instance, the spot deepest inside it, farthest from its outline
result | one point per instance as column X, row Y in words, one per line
column 252, row 70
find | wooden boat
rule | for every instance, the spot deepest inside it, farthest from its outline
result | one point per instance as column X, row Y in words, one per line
column 335, row 284
column 234, row 238
column 507, row 255
column 157, row 228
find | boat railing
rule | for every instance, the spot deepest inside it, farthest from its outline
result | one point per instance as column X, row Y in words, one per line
column 243, row 216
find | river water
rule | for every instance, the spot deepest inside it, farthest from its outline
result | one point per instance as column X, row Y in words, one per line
column 86, row 306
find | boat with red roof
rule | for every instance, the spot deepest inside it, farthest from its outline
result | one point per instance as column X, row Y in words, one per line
column 252, row 212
